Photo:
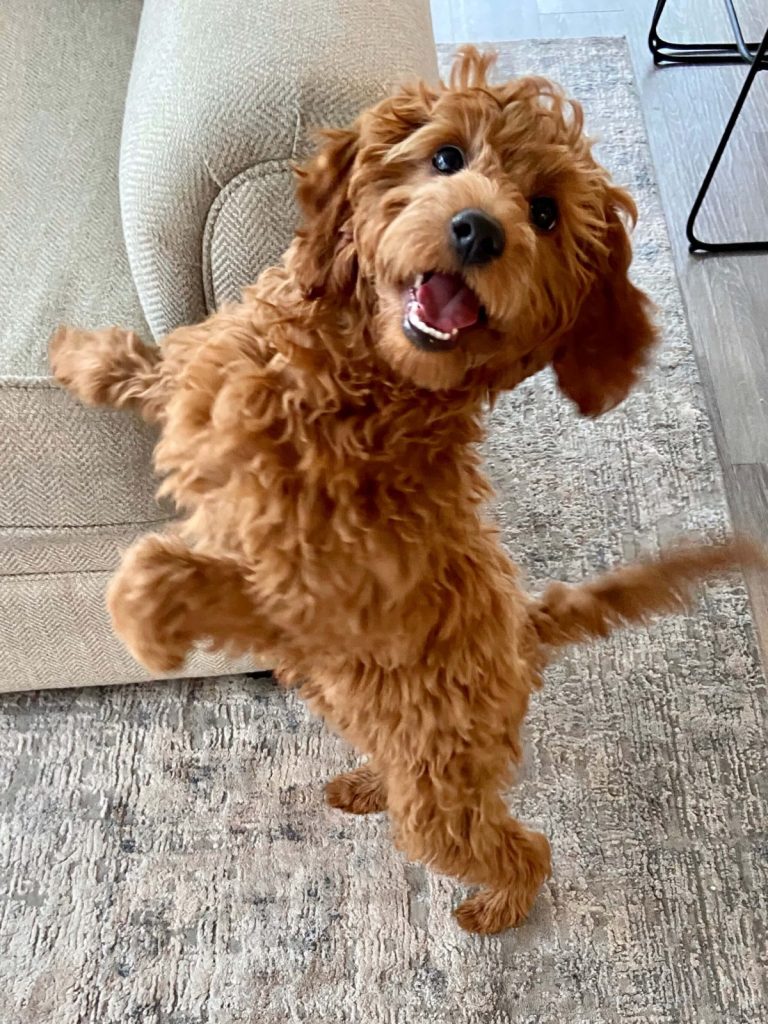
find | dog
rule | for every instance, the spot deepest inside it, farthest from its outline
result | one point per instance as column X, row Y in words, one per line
column 319, row 438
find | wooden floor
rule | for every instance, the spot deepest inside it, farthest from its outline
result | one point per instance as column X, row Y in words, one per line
column 472, row 21
column 686, row 108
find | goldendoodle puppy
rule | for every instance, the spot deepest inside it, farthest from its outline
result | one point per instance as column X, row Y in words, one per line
column 319, row 440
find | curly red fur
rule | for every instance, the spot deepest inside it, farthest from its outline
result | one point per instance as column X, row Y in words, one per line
column 327, row 471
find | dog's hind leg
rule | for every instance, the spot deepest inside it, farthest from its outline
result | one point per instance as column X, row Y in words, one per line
column 361, row 791
column 466, row 831
column 166, row 596
column 110, row 367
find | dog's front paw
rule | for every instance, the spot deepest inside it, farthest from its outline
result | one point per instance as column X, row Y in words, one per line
column 359, row 792
column 152, row 602
column 60, row 348
column 87, row 363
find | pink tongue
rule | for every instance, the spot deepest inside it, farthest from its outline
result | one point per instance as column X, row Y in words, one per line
column 446, row 303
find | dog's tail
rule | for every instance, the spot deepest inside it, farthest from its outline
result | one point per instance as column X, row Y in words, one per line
column 634, row 593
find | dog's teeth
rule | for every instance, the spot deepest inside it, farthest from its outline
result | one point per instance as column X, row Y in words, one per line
column 419, row 281
column 433, row 332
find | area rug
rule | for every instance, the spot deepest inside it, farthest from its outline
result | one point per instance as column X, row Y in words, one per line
column 166, row 857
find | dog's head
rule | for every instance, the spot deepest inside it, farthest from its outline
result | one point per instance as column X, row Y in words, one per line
column 479, row 227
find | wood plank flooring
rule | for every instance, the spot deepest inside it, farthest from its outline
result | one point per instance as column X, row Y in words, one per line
column 726, row 297
column 686, row 108
column 466, row 21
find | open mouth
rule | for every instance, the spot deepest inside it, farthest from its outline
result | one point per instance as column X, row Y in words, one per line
column 438, row 307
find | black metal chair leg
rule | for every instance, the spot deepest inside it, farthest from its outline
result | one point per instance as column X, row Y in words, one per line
column 665, row 52
column 696, row 245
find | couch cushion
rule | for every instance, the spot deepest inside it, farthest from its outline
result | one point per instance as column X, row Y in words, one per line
column 64, row 71
column 76, row 482
column 55, row 632
column 206, row 184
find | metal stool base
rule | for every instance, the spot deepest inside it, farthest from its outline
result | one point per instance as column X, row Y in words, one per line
column 738, row 52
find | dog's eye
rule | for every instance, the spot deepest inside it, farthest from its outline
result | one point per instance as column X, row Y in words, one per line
column 448, row 160
column 543, row 213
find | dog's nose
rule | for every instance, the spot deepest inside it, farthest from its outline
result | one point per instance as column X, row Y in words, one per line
column 477, row 237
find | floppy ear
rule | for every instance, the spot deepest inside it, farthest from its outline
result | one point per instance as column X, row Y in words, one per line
column 600, row 358
column 325, row 261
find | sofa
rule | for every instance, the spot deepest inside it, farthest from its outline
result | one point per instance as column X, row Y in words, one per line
column 145, row 177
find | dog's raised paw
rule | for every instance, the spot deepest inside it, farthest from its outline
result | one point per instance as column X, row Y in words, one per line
column 58, row 348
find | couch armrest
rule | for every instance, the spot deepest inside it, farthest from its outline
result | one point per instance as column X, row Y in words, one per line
column 221, row 98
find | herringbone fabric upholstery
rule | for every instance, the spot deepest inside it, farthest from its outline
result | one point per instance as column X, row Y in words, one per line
column 221, row 97
column 254, row 215
column 253, row 87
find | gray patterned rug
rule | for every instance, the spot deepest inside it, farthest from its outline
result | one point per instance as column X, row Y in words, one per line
column 166, row 857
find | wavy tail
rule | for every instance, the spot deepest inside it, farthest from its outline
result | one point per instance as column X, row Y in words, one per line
column 634, row 593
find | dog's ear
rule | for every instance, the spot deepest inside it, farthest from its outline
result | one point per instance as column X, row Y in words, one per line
column 325, row 260
column 601, row 356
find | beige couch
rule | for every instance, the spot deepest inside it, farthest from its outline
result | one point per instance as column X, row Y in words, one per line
column 145, row 157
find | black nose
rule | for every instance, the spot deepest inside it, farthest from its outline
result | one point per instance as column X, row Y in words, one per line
column 477, row 237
